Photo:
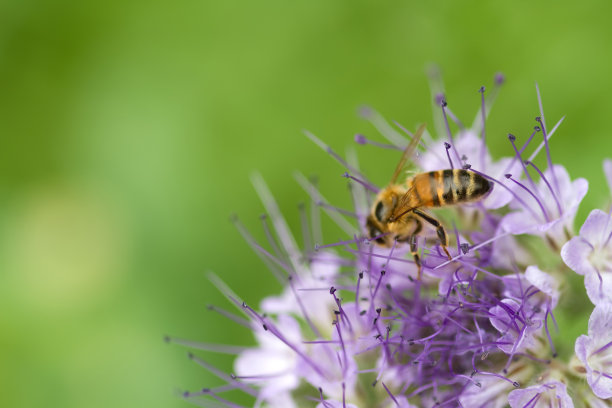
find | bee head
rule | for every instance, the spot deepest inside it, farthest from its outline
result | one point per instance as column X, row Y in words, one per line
column 377, row 223
column 384, row 206
column 377, row 231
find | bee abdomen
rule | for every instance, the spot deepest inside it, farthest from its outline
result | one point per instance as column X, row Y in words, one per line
column 456, row 186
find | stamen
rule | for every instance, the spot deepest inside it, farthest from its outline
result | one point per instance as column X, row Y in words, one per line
column 315, row 213
column 443, row 104
column 550, row 135
column 339, row 243
column 268, row 326
column 280, row 225
column 536, row 129
column 599, row 350
column 382, row 126
column 512, row 138
column 367, row 185
column 230, row 379
column 546, row 217
column 487, row 242
column 306, row 235
column 362, row 140
column 550, row 164
column 382, row 273
column 215, row 348
column 302, row 308
column 390, row 394
column 264, row 254
column 325, row 403
column 270, row 260
column 236, row 319
column 312, row 191
column 552, row 346
column 337, row 209
column 516, row 197
column 533, row 401
column 447, row 146
column 422, row 143
column 333, row 154
column 548, row 185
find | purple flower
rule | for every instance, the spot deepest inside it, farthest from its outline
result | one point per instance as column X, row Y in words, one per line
column 590, row 254
column 272, row 360
column 355, row 328
column 547, row 208
column 551, row 394
column 595, row 351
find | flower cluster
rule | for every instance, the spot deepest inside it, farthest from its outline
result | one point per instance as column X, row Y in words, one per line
column 359, row 325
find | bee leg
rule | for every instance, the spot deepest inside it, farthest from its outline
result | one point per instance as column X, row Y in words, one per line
column 412, row 240
column 415, row 255
column 439, row 230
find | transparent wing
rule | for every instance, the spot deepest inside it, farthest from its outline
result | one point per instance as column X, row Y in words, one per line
column 403, row 206
column 407, row 153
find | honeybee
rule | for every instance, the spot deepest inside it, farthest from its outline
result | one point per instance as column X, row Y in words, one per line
column 397, row 215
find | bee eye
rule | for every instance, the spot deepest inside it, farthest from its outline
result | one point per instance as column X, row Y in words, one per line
column 378, row 211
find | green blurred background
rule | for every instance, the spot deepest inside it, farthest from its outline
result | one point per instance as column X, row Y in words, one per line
column 128, row 131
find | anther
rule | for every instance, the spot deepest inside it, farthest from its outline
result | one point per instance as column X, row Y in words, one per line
column 465, row 248
column 360, row 139
column 378, row 310
column 233, row 376
column 186, row 394
column 516, row 384
column 362, row 313
column 346, row 175
column 482, row 89
column 447, row 145
column 467, row 166
column 511, row 137
column 360, row 275
column 332, row 290
column 265, row 327
column 383, row 272
column 508, row 176
column 499, row 78
column 537, row 128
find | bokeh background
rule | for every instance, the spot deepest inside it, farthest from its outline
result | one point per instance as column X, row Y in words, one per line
column 129, row 129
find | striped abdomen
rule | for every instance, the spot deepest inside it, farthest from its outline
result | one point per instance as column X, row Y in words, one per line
column 447, row 187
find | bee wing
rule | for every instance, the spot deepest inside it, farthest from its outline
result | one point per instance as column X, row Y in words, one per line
column 407, row 153
column 403, row 206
